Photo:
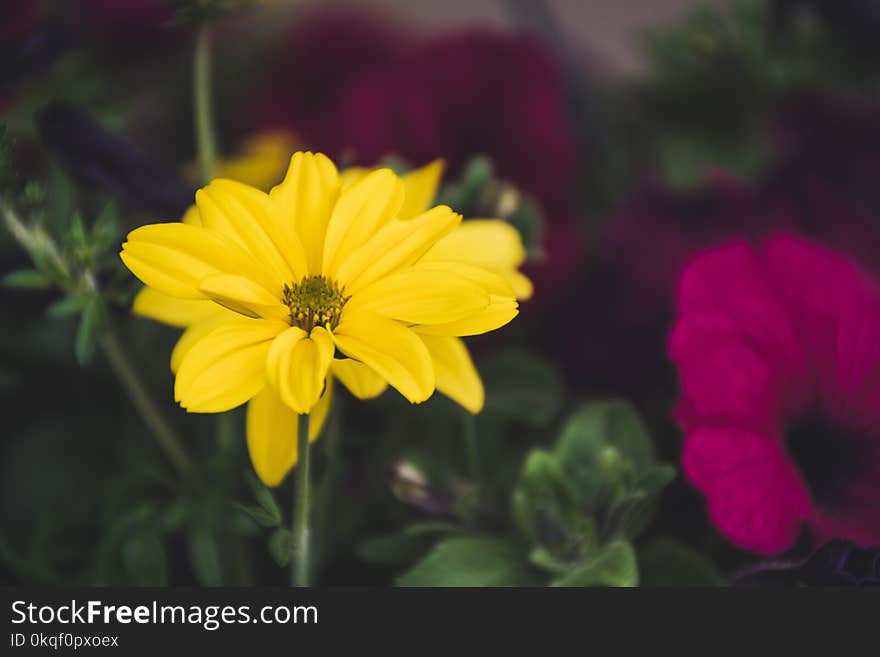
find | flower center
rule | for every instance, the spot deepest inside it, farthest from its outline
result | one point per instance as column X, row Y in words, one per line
column 823, row 453
column 314, row 301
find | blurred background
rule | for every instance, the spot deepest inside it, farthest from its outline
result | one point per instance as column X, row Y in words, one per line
column 620, row 138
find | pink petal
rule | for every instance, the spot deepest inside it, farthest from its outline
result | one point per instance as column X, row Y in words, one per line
column 731, row 280
column 755, row 495
column 723, row 379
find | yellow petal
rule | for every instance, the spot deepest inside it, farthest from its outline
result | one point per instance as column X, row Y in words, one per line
column 278, row 358
column 225, row 368
column 363, row 382
column 492, row 244
column 262, row 159
column 499, row 312
column 421, row 188
column 252, row 220
column 192, row 216
column 457, row 378
column 351, row 175
column 490, row 281
column 392, row 350
column 272, row 430
column 306, row 198
column 199, row 330
column 521, row 284
column 297, row 366
column 171, row 310
column 397, row 245
column 175, row 257
column 421, row 296
column 361, row 210
column 243, row 296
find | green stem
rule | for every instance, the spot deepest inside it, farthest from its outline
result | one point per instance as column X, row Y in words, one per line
column 331, row 438
column 164, row 434
column 202, row 105
column 225, row 431
column 38, row 243
column 300, row 566
column 469, row 431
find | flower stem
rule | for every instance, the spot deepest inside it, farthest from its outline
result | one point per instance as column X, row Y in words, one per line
column 164, row 434
column 38, row 243
column 472, row 453
column 331, row 439
column 300, row 566
column 202, row 105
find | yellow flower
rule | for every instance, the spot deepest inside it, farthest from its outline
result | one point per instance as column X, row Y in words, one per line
column 262, row 160
column 288, row 278
column 489, row 244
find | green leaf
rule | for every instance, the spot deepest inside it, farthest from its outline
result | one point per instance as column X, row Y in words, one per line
column 632, row 512
column 143, row 557
column 264, row 498
column 613, row 565
column 27, row 279
column 543, row 503
column 173, row 516
column 546, row 560
column 578, row 451
column 393, row 548
column 668, row 563
column 77, row 230
column 655, row 479
column 431, row 528
column 59, row 204
column 602, row 441
column 528, row 221
column 473, row 562
column 523, row 387
column 204, row 556
column 628, row 516
column 105, row 230
column 259, row 515
column 281, row 546
column 477, row 173
column 91, row 325
column 69, row 305
column 49, row 267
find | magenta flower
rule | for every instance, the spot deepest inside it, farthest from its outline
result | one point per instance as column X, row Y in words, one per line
column 778, row 352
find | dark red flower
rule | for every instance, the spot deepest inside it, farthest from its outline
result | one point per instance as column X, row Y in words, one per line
column 317, row 61
column 125, row 21
column 19, row 18
column 356, row 86
column 778, row 359
column 826, row 184
column 647, row 241
column 828, row 179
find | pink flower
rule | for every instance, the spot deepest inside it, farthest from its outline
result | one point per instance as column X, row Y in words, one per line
column 778, row 352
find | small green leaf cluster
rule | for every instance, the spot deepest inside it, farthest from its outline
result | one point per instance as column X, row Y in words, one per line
column 478, row 192
column 68, row 253
column 575, row 508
